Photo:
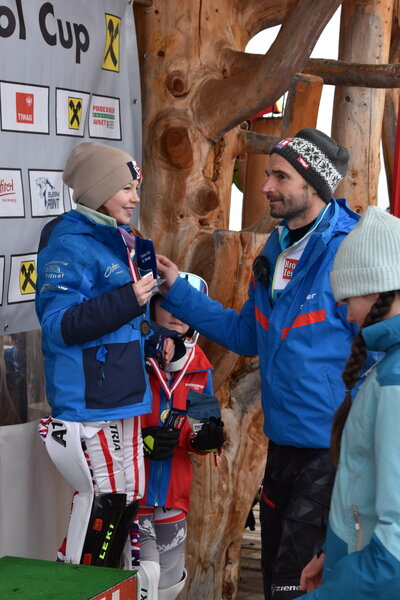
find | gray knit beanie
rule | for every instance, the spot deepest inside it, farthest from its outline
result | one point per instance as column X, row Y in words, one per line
column 368, row 259
column 96, row 172
column 320, row 160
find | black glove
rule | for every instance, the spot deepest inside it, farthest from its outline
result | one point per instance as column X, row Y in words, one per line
column 158, row 443
column 210, row 437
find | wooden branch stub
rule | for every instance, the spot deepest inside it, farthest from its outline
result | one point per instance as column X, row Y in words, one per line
column 177, row 84
column 143, row 2
column 257, row 143
column 302, row 104
column 206, row 201
column 335, row 72
column 176, row 147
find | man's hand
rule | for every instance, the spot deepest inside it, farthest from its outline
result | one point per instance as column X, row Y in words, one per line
column 168, row 271
column 159, row 443
column 311, row 575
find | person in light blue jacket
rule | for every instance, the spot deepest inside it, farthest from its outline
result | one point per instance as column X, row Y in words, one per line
column 361, row 558
column 92, row 304
column 301, row 334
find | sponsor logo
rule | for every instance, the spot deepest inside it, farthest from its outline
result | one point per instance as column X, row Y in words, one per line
column 195, row 386
column 103, row 115
column 303, row 162
column 74, row 112
column 106, row 542
column 58, row 433
column 115, row 437
column 111, row 269
column 48, row 193
column 283, row 143
column 111, row 50
column 288, row 268
column 285, row 588
column 27, row 277
column 7, row 191
column 24, row 105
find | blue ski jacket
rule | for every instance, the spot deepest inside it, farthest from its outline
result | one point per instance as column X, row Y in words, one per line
column 92, row 326
column 303, row 338
column 363, row 544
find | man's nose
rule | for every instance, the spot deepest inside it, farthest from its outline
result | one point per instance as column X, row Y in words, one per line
column 267, row 186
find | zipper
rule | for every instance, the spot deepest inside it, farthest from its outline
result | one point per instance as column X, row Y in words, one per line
column 167, row 406
column 358, row 527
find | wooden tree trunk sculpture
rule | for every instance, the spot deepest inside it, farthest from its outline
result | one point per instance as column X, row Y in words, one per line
column 197, row 87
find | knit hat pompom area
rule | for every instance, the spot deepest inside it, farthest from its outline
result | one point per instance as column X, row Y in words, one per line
column 368, row 259
column 96, row 172
column 320, row 160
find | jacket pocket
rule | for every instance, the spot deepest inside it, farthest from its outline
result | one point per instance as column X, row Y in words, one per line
column 114, row 375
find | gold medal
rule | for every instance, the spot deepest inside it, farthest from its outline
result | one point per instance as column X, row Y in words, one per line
column 164, row 415
column 144, row 327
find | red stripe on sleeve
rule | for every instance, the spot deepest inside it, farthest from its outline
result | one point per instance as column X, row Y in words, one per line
column 307, row 319
column 261, row 318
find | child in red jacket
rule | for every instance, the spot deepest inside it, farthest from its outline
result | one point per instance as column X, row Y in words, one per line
column 181, row 389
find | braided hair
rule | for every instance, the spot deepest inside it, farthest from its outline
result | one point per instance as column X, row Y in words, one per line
column 353, row 367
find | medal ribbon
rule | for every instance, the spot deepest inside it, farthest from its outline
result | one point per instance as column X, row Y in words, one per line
column 131, row 263
column 170, row 390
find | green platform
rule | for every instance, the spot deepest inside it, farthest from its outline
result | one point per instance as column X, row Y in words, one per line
column 29, row 579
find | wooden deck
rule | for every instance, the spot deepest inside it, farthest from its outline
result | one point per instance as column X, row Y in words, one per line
column 250, row 582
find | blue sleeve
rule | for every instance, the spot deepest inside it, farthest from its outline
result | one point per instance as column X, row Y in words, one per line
column 100, row 315
column 68, row 307
column 209, row 385
column 371, row 573
column 235, row 331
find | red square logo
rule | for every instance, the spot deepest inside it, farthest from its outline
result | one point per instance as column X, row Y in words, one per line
column 303, row 163
column 98, row 524
column 25, row 107
column 288, row 267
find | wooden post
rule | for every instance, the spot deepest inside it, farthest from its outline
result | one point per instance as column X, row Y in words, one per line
column 357, row 117
column 254, row 202
column 302, row 106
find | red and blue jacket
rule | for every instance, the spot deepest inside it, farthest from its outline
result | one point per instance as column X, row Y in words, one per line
column 168, row 482
column 303, row 338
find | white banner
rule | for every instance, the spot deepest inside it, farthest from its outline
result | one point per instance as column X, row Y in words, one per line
column 69, row 73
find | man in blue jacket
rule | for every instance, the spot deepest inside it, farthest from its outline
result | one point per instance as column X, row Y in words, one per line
column 291, row 320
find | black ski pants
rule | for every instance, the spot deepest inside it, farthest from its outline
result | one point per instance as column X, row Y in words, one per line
column 294, row 509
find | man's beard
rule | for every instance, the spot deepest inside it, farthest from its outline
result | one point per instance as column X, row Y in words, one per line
column 289, row 206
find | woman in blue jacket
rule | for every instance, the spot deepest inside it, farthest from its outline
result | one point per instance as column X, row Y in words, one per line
column 362, row 551
column 92, row 303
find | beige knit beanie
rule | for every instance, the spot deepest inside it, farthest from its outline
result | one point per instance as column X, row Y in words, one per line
column 96, row 172
column 368, row 259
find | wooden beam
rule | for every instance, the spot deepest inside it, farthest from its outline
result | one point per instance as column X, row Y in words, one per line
column 335, row 72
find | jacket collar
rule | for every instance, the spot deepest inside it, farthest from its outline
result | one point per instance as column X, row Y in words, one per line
column 383, row 335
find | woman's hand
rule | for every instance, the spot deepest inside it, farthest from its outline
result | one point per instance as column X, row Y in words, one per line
column 311, row 575
column 143, row 289
column 168, row 271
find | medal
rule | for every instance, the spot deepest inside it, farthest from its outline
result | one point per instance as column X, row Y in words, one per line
column 144, row 327
column 164, row 415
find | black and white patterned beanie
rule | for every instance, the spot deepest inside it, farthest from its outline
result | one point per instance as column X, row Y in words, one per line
column 320, row 160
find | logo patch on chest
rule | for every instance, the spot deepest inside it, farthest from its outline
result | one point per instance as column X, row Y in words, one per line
column 288, row 267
